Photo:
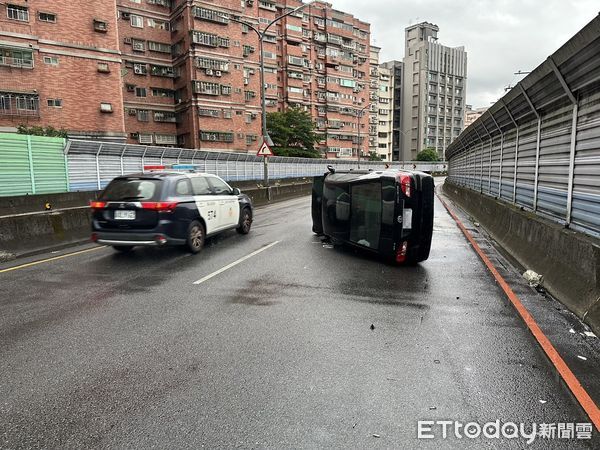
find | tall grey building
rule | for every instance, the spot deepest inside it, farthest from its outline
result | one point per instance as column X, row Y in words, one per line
column 434, row 91
column 396, row 69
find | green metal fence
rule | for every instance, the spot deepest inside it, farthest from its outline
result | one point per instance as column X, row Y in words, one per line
column 32, row 165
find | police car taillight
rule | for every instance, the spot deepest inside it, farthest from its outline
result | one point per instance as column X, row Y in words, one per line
column 160, row 206
column 97, row 205
column 404, row 181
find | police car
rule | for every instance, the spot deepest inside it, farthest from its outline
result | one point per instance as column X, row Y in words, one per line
column 168, row 206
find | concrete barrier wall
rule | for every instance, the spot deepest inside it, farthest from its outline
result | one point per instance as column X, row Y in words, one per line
column 568, row 260
column 34, row 232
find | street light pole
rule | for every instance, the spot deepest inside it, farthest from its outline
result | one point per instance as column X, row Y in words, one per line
column 359, row 114
column 261, row 37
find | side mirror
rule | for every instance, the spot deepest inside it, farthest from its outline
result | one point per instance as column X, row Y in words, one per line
column 236, row 191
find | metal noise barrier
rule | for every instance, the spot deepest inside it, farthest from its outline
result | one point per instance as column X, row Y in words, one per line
column 539, row 146
column 93, row 164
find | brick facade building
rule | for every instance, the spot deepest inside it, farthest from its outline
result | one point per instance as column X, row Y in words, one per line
column 182, row 73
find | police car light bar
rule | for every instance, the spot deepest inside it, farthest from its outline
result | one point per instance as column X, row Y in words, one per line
column 184, row 166
column 150, row 168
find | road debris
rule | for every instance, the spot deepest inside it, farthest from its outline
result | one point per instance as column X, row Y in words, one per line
column 543, row 401
column 583, row 358
column 589, row 334
column 436, row 361
column 372, row 327
column 376, row 435
column 476, row 224
column 432, row 408
column 534, row 279
column 572, row 331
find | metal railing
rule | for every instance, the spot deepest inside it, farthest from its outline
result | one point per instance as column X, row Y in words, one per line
column 539, row 146
column 93, row 164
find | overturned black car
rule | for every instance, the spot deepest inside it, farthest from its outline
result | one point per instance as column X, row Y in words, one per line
column 388, row 212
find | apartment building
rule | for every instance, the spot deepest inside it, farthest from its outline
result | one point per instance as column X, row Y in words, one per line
column 385, row 113
column 434, row 91
column 471, row 115
column 60, row 66
column 174, row 72
column 337, row 65
column 396, row 69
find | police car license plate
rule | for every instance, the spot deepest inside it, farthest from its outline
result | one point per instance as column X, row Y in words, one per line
column 124, row 215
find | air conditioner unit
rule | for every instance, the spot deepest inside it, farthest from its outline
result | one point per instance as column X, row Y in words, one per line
column 218, row 73
column 138, row 46
column 337, row 67
column 209, row 72
column 134, row 135
column 125, row 15
column 138, row 70
column 253, row 115
column 127, row 40
column 249, row 2
column 246, row 81
column 132, row 111
column 130, row 87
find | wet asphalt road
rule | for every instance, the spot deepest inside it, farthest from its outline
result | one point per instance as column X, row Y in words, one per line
column 115, row 351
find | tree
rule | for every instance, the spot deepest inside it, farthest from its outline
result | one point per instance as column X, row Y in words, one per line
column 41, row 131
column 293, row 133
column 428, row 154
column 375, row 157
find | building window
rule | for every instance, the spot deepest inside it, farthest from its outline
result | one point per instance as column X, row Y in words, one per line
column 106, row 107
column 209, row 40
column 51, row 60
column 47, row 17
column 162, row 71
column 12, row 104
column 140, row 69
column 210, row 15
column 165, row 139
column 226, row 114
column 249, row 95
column 55, row 103
column 158, row 24
column 100, row 26
column 164, row 93
column 164, row 116
column 212, row 64
column 140, row 92
column 216, row 136
column 208, row 112
column 16, row 58
column 159, row 47
column 15, row 12
column 137, row 21
column 103, row 68
column 143, row 115
column 138, row 45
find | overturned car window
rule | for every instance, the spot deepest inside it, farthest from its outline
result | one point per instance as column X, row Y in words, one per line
column 365, row 223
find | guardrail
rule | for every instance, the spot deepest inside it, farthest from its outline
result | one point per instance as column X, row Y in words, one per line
column 93, row 164
column 539, row 146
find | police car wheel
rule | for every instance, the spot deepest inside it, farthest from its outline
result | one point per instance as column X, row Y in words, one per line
column 123, row 248
column 196, row 235
column 245, row 221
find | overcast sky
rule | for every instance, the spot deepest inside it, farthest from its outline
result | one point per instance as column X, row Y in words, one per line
column 501, row 37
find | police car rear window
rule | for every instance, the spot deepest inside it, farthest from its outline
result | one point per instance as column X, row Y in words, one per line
column 132, row 189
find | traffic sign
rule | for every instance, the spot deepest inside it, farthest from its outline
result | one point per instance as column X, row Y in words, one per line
column 264, row 150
